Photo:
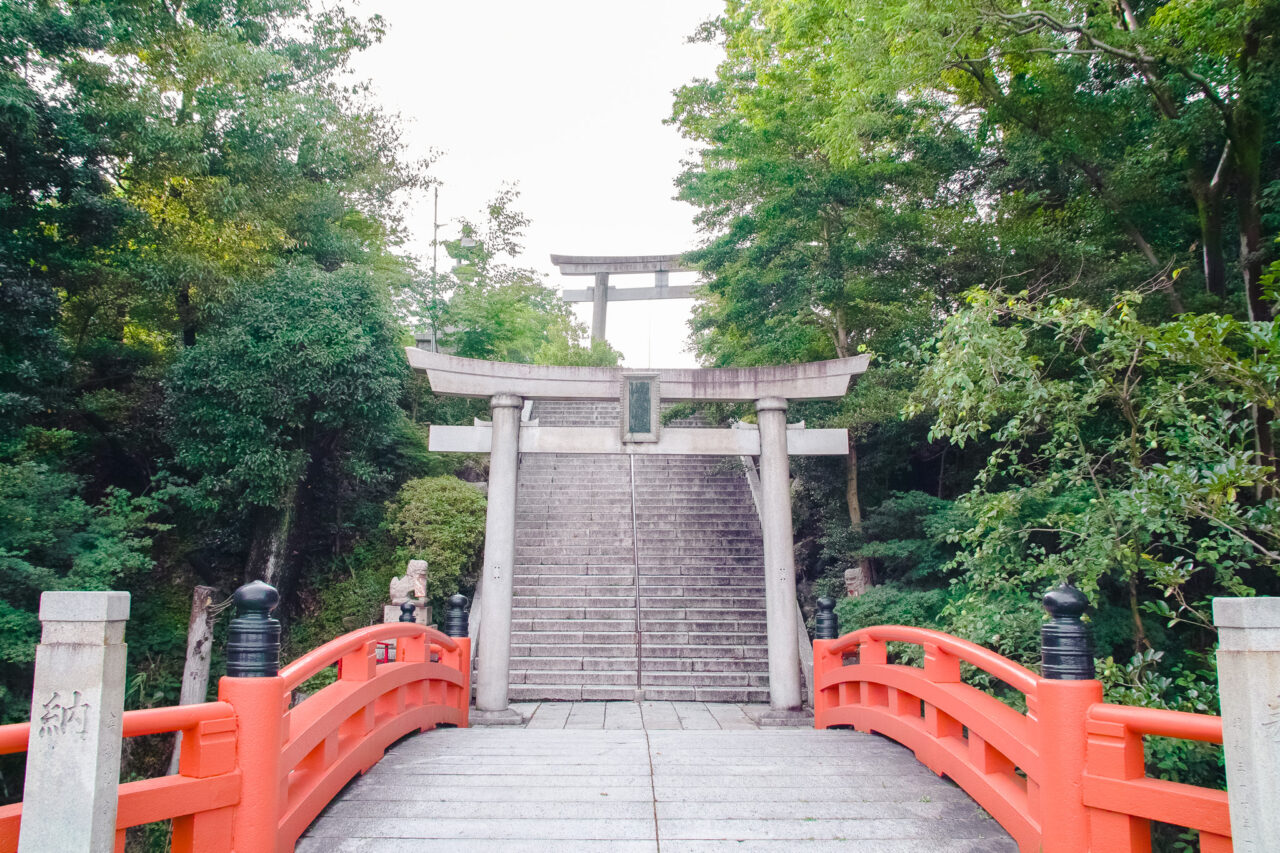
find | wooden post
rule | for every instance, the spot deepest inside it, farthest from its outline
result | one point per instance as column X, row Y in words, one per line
column 195, row 672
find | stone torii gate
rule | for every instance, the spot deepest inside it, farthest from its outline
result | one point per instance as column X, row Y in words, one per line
column 508, row 386
column 603, row 266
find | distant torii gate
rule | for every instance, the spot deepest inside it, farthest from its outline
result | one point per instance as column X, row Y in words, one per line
column 603, row 266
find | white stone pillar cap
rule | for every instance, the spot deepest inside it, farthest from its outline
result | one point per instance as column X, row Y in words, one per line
column 506, row 401
column 1247, row 624
column 766, row 404
column 80, row 606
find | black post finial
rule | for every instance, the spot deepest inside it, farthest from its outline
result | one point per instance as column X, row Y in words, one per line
column 253, row 639
column 455, row 616
column 408, row 612
column 1066, row 649
column 825, row 625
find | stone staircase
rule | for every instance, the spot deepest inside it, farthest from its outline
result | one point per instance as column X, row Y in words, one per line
column 635, row 575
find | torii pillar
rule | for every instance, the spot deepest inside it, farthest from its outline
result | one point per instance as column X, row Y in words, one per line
column 603, row 266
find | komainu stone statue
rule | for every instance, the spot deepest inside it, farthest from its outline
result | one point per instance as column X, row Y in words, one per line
column 411, row 586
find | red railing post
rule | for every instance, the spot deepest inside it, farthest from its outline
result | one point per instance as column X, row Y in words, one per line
column 941, row 668
column 461, row 658
column 1115, row 752
column 260, row 705
column 825, row 699
column 455, row 625
column 1061, row 706
column 208, row 749
column 255, row 689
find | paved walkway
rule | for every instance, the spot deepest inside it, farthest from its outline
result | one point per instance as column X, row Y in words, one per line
column 514, row 790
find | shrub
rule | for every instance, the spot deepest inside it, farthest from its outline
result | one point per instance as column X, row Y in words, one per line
column 440, row 520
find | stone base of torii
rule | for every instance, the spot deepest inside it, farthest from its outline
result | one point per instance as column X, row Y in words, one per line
column 508, row 386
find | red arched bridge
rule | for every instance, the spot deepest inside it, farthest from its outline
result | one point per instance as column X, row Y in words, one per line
column 1056, row 767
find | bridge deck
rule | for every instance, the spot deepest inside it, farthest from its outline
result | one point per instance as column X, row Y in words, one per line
column 656, row 790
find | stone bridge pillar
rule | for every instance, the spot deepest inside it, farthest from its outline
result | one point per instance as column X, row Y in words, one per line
column 779, row 556
column 494, row 642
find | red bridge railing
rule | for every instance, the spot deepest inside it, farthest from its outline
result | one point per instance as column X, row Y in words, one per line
column 254, row 772
column 1067, row 776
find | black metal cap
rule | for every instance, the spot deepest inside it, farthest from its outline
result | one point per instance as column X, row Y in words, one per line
column 253, row 639
column 1066, row 648
column 408, row 612
column 455, row 616
column 826, row 627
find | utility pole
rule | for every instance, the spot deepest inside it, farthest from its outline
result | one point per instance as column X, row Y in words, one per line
column 435, row 256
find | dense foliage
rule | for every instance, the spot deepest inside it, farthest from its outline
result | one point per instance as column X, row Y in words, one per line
column 203, row 305
column 440, row 520
column 1053, row 227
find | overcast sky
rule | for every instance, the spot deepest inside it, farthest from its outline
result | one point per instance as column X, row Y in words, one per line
column 567, row 98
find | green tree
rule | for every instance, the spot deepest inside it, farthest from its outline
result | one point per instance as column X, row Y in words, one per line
column 1123, row 458
column 500, row 311
column 810, row 258
column 52, row 538
column 295, row 383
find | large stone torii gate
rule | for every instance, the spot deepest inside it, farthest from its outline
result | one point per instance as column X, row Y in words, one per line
column 508, row 386
column 602, row 266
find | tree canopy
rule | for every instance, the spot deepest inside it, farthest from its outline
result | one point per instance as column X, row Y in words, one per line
column 1053, row 226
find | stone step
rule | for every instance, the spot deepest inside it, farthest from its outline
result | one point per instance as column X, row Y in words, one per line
column 528, row 580
column 753, row 666
column 599, row 677
column 579, row 636
column 544, row 599
column 666, row 520
column 685, row 587
column 700, row 638
column 579, row 536
column 576, row 664
column 540, row 647
column 701, row 612
column 691, row 652
column 573, row 613
column 705, row 569
column 660, row 627
column 574, row 565
column 535, row 554
column 744, row 520
column 739, row 695
column 701, row 679
column 567, row 693
column 560, row 625
column 659, row 603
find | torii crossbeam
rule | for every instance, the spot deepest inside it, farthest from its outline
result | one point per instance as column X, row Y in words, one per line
column 603, row 266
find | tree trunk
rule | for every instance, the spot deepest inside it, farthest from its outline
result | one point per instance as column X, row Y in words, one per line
column 195, row 672
column 269, row 548
column 1208, row 198
column 1252, row 250
column 1247, row 137
column 1264, row 419
column 860, row 579
column 185, row 317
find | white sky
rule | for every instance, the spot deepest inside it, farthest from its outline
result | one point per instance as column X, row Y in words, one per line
column 567, row 98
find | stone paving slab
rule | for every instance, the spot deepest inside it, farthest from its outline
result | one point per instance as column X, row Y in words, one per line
column 437, row 845
column 667, row 790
